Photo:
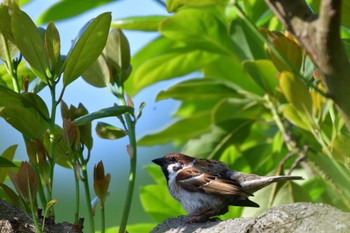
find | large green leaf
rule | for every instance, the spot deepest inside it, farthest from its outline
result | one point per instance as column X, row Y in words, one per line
column 174, row 63
column 199, row 89
column 87, row 47
column 157, row 202
column 30, row 43
column 68, row 8
column 231, row 69
column 53, row 48
column 264, row 73
column 25, row 112
column 221, row 136
column 97, row 74
column 200, row 29
column 180, row 131
column 26, row 74
column 139, row 23
column 172, row 5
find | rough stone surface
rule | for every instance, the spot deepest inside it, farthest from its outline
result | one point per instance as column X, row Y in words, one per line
column 297, row 217
column 13, row 220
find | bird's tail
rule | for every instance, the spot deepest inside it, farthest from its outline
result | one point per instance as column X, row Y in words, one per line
column 252, row 183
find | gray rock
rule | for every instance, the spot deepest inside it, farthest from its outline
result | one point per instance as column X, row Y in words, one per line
column 297, row 217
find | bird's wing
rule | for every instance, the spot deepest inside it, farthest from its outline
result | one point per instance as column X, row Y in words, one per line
column 194, row 179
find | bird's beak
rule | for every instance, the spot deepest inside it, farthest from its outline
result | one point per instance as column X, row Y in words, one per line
column 159, row 161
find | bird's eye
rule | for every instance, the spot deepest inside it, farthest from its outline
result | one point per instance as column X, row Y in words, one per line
column 172, row 159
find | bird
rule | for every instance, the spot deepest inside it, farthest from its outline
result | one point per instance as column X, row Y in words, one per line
column 206, row 188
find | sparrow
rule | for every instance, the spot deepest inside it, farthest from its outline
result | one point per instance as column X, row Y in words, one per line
column 206, row 188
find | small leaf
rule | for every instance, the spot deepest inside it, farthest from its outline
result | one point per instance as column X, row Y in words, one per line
column 12, row 196
column 26, row 182
column 87, row 47
column 6, row 163
column 102, row 113
column 30, row 43
column 101, row 182
column 140, row 23
column 8, row 154
column 296, row 93
column 117, row 53
column 264, row 73
column 108, row 131
column 53, row 47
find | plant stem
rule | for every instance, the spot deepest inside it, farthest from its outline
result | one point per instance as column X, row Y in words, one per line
column 77, row 193
column 87, row 194
column 103, row 220
column 133, row 161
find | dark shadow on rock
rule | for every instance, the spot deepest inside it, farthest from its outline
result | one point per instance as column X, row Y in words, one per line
column 297, row 217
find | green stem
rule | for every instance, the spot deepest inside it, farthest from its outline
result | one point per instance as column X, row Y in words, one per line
column 133, row 161
column 9, row 66
column 103, row 220
column 77, row 193
column 88, row 197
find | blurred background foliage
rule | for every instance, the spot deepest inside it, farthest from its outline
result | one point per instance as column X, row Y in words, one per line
column 248, row 95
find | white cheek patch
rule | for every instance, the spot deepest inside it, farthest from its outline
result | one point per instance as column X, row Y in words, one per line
column 174, row 168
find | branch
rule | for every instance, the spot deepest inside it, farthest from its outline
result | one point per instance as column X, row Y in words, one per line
column 320, row 37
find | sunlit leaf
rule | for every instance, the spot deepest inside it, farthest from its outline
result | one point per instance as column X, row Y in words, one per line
column 108, row 131
column 296, row 93
column 172, row 5
column 174, row 63
column 139, row 23
column 59, row 11
column 295, row 117
column 196, row 89
column 87, row 47
column 264, row 73
column 206, row 31
column 180, row 131
column 341, row 149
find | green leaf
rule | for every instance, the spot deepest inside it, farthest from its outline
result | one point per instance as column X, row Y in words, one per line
column 220, row 137
column 174, row 63
column 59, row 11
column 237, row 108
column 264, row 73
column 26, row 75
column 199, row 89
column 341, row 148
column 97, row 74
column 30, row 43
column 108, row 131
column 172, row 5
column 53, row 47
column 6, row 28
column 156, row 174
column 295, row 117
column 87, row 47
column 117, row 53
column 12, row 196
column 102, row 113
column 296, row 93
column 8, row 156
column 180, row 131
column 13, row 50
column 6, row 163
column 25, row 112
column 206, row 31
column 138, row 227
column 157, row 202
column 230, row 68
column 140, row 23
